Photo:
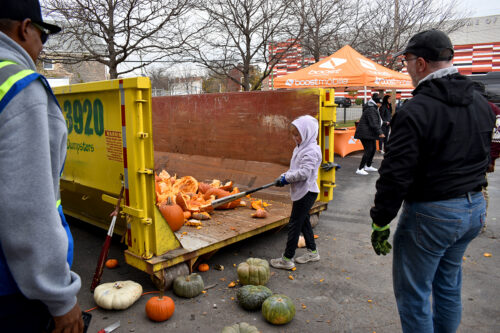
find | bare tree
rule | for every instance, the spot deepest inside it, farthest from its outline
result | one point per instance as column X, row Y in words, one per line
column 394, row 22
column 113, row 32
column 161, row 81
column 239, row 35
column 329, row 25
column 175, row 81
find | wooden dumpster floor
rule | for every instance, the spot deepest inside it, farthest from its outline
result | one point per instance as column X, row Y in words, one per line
column 228, row 226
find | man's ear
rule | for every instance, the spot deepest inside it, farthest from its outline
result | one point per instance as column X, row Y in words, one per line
column 23, row 30
column 421, row 65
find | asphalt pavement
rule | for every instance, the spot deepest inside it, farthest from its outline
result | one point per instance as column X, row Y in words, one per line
column 348, row 290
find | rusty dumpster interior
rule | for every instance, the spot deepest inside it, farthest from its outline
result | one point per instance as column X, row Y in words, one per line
column 243, row 137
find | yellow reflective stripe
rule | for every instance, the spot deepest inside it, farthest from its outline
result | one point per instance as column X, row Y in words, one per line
column 4, row 88
column 58, row 203
column 6, row 63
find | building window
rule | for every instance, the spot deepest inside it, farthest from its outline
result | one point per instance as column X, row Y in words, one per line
column 48, row 64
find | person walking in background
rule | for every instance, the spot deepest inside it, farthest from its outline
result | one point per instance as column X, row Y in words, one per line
column 302, row 177
column 435, row 161
column 385, row 111
column 38, row 291
column 368, row 131
column 495, row 141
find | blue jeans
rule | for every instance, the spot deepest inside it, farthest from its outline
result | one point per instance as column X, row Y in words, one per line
column 429, row 245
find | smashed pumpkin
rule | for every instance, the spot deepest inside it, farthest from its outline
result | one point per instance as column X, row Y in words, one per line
column 191, row 196
column 186, row 184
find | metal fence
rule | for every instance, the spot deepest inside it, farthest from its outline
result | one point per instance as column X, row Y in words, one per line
column 348, row 114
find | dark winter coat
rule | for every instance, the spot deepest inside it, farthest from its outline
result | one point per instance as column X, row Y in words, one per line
column 386, row 114
column 438, row 149
column 369, row 125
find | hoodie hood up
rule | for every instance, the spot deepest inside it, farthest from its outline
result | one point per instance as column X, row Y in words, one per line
column 308, row 129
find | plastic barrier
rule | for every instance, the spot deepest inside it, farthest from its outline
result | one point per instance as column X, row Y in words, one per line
column 345, row 142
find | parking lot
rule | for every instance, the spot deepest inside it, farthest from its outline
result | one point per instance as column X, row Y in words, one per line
column 348, row 290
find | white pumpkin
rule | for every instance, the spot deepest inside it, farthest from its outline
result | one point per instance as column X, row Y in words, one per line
column 117, row 295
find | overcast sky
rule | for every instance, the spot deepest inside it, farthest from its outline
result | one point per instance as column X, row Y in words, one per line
column 481, row 7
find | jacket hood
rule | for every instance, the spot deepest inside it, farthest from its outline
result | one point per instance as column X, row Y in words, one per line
column 308, row 129
column 454, row 89
column 14, row 52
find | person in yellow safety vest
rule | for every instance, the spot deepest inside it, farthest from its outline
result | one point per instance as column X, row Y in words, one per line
column 38, row 291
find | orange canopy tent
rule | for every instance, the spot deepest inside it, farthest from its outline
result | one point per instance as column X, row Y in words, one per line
column 345, row 68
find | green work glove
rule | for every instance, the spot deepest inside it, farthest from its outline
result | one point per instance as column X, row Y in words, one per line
column 380, row 236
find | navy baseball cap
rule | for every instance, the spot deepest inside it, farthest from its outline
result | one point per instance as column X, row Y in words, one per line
column 433, row 45
column 19, row 10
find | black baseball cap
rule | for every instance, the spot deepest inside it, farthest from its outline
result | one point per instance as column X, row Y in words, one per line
column 19, row 10
column 432, row 45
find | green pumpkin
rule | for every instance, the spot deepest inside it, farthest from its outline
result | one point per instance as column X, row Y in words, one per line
column 251, row 297
column 278, row 309
column 240, row 328
column 188, row 286
column 254, row 271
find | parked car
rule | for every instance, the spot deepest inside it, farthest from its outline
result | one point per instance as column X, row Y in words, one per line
column 491, row 82
column 343, row 102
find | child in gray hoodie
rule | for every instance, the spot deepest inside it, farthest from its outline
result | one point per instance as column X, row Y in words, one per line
column 302, row 177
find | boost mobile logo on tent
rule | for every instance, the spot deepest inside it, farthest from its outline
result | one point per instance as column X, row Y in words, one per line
column 332, row 63
column 289, row 82
column 367, row 64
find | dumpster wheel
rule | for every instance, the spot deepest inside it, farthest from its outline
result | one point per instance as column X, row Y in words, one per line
column 164, row 278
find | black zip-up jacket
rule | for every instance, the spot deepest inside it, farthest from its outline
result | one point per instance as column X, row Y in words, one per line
column 369, row 124
column 438, row 148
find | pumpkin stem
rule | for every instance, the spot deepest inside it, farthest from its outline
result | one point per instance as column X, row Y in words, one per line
column 161, row 294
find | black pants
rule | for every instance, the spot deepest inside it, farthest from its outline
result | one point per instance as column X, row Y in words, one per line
column 369, row 147
column 19, row 314
column 383, row 141
column 299, row 222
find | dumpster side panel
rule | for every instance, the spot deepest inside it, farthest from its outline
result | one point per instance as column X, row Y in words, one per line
column 109, row 145
column 250, row 126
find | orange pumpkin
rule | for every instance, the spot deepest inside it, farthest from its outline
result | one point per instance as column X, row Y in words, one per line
column 173, row 214
column 111, row 263
column 203, row 267
column 232, row 204
column 206, row 207
column 257, row 204
column 160, row 308
column 203, row 187
column 228, row 186
column 260, row 213
column 186, row 184
column 216, row 192
column 182, row 200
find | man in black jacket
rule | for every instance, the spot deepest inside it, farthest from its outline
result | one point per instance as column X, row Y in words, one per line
column 435, row 161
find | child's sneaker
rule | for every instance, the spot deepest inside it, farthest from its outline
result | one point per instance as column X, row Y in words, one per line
column 308, row 256
column 282, row 263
